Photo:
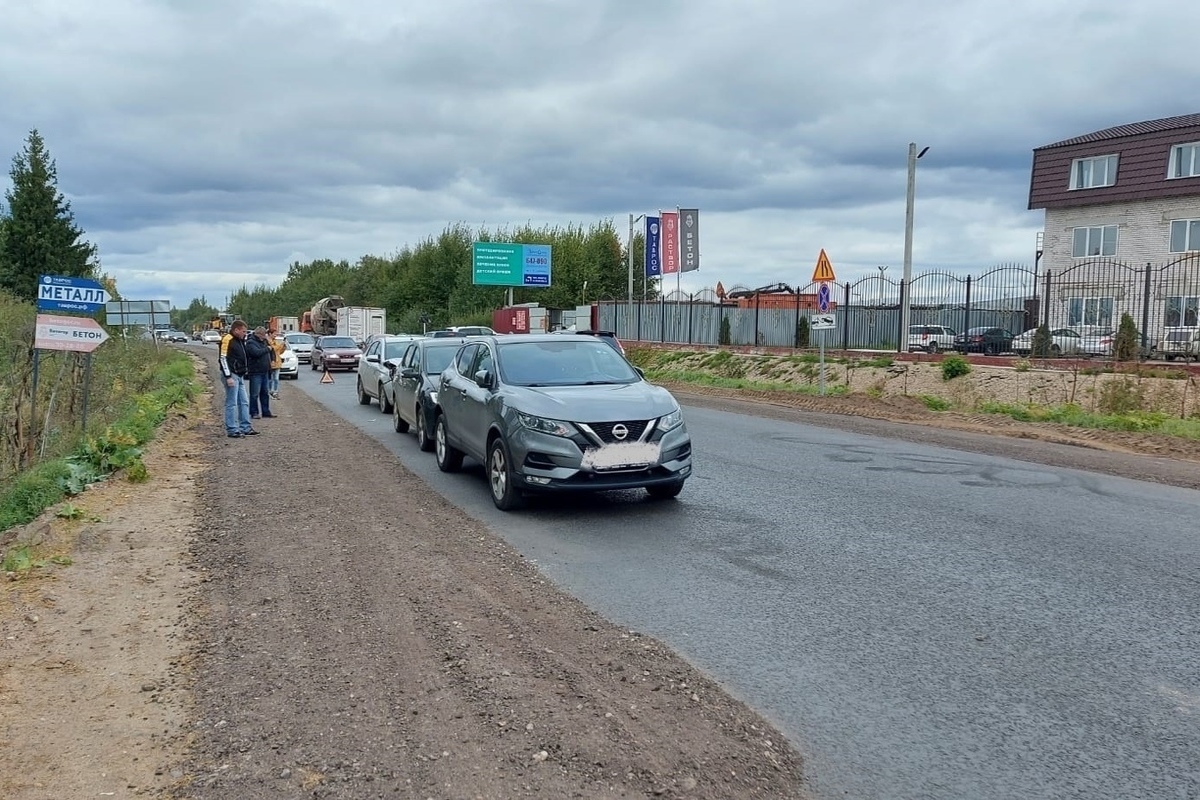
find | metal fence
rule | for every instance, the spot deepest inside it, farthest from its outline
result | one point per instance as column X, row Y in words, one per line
column 1091, row 294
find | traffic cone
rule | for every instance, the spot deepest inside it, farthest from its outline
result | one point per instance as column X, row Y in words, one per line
column 327, row 377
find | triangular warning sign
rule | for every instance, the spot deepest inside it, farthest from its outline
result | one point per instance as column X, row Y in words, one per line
column 824, row 270
column 327, row 377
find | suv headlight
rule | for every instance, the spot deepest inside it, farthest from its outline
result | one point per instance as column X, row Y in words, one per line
column 671, row 421
column 542, row 425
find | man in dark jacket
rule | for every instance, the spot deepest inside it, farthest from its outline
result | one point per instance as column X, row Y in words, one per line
column 259, row 351
column 233, row 363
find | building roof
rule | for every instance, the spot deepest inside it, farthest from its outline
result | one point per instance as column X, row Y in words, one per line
column 1132, row 129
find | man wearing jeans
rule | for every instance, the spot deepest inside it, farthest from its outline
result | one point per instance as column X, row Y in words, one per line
column 233, row 363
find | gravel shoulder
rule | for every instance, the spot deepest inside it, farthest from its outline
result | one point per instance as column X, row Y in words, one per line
column 296, row 615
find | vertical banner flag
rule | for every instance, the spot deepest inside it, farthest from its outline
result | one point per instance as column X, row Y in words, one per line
column 653, row 231
column 689, row 239
column 670, row 242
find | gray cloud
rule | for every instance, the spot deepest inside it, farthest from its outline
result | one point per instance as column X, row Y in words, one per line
column 208, row 145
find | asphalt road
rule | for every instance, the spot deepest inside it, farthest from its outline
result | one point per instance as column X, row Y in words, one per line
column 921, row 622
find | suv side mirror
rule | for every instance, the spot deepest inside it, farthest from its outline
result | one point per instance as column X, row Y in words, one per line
column 484, row 378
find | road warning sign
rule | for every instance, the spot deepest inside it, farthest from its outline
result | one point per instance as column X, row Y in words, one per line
column 824, row 270
column 327, row 377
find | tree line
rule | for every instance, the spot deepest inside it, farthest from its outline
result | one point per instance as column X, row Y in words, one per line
column 431, row 281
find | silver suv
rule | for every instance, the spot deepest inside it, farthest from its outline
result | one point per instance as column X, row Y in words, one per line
column 930, row 338
column 548, row 413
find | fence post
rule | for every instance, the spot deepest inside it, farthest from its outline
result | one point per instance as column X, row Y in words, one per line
column 756, row 296
column 901, row 334
column 796, row 326
column 1046, row 301
column 691, row 301
column 662, row 319
column 1145, row 313
column 967, row 308
column 846, row 320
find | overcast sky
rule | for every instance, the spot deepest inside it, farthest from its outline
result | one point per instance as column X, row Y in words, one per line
column 207, row 144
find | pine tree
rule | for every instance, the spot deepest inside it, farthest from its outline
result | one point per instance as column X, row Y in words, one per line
column 39, row 235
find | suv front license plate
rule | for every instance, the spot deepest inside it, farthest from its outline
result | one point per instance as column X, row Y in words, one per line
column 622, row 455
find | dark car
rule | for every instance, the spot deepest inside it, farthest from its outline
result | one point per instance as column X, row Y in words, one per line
column 608, row 337
column 335, row 352
column 989, row 341
column 413, row 390
column 549, row 413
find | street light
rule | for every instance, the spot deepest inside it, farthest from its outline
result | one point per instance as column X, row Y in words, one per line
column 906, row 301
column 879, row 297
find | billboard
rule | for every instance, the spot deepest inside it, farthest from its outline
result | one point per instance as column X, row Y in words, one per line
column 509, row 264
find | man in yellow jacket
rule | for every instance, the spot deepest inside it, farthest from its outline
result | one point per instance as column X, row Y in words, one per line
column 278, row 345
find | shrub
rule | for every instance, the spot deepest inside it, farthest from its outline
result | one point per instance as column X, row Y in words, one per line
column 1022, row 365
column 1125, row 343
column 955, row 367
column 803, row 334
column 1121, row 396
column 723, row 337
column 936, row 403
column 1042, row 342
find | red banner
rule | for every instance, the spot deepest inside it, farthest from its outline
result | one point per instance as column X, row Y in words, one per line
column 670, row 242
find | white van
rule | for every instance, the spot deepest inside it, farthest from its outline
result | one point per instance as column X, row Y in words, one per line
column 1180, row 343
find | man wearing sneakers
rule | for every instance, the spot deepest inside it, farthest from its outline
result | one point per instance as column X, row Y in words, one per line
column 258, row 367
column 233, row 364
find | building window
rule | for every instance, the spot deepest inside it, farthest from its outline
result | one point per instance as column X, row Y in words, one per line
column 1090, row 311
column 1185, row 235
column 1182, row 312
column 1089, row 173
column 1100, row 241
column 1185, row 161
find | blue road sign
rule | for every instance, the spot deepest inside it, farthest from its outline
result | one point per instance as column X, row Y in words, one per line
column 68, row 293
column 823, row 298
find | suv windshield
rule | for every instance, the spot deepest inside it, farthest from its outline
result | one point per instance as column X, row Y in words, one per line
column 571, row 362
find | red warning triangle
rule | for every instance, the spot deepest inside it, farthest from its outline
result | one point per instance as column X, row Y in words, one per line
column 824, row 270
column 327, row 377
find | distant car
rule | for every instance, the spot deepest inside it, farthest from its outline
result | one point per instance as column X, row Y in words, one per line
column 462, row 331
column 335, row 352
column 989, row 341
column 376, row 367
column 413, row 391
column 1180, row 343
column 211, row 336
column 291, row 365
column 302, row 343
column 608, row 337
column 546, row 413
column 930, row 338
column 172, row 336
column 1063, row 342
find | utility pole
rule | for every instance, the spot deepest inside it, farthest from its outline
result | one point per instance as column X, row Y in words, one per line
column 906, row 303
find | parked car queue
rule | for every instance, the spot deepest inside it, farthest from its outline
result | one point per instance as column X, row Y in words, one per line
column 544, row 413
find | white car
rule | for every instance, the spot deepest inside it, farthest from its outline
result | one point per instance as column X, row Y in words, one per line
column 302, row 344
column 1063, row 342
column 930, row 338
column 291, row 365
column 377, row 367
column 211, row 336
